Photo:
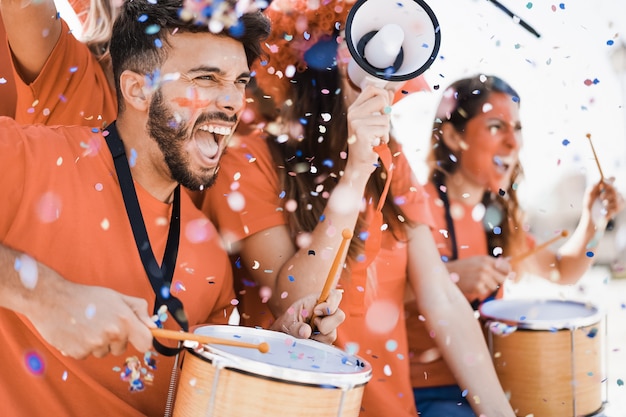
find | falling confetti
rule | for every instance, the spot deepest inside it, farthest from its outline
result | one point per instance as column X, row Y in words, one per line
column 27, row 270
column 34, row 363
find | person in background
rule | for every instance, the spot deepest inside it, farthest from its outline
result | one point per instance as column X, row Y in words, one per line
column 289, row 197
column 58, row 80
column 98, row 244
column 479, row 224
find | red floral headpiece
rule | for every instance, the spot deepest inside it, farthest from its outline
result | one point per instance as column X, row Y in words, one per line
column 297, row 25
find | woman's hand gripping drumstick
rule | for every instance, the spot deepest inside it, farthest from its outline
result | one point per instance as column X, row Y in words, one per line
column 346, row 235
column 262, row 347
column 538, row 248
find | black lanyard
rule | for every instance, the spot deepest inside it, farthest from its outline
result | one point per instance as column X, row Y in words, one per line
column 160, row 276
column 443, row 195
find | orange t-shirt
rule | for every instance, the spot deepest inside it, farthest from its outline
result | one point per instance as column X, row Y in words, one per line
column 63, row 206
column 428, row 368
column 71, row 89
column 372, row 299
column 8, row 94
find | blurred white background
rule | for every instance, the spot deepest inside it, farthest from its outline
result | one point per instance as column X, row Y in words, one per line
column 571, row 81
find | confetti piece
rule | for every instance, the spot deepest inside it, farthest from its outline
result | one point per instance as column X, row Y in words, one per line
column 34, row 363
column 199, row 230
column 49, row 207
column 133, row 157
column 28, row 271
column 236, row 201
column 391, row 345
column 90, row 311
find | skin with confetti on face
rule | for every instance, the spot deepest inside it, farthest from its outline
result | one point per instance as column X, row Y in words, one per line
column 489, row 146
column 192, row 116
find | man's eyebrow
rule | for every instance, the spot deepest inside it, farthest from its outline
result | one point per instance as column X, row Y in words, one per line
column 219, row 71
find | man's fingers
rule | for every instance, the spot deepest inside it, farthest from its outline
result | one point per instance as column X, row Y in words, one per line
column 118, row 348
column 101, row 352
column 139, row 329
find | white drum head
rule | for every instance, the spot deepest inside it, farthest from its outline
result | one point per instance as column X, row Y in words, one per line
column 540, row 314
column 289, row 359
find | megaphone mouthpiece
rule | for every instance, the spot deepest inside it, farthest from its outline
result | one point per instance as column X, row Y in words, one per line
column 382, row 50
column 391, row 41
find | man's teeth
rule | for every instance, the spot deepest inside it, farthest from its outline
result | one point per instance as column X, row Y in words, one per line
column 220, row 130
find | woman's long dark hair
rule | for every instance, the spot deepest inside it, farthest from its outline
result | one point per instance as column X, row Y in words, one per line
column 462, row 101
column 316, row 104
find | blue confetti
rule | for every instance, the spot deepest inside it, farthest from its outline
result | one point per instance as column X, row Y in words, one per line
column 152, row 29
column 35, row 363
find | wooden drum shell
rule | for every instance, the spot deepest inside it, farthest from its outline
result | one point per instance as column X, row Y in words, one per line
column 211, row 384
column 553, row 371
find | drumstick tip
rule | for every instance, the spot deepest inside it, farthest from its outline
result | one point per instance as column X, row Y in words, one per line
column 264, row 347
column 564, row 233
column 346, row 234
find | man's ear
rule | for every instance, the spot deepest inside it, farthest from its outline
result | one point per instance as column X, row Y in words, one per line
column 132, row 88
column 452, row 138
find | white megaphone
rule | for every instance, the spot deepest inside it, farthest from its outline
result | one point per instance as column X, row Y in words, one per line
column 390, row 41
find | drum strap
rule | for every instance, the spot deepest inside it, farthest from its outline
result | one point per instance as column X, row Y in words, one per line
column 160, row 276
column 443, row 196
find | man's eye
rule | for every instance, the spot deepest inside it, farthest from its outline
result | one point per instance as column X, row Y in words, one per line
column 206, row 78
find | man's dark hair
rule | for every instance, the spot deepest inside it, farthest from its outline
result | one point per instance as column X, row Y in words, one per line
column 140, row 35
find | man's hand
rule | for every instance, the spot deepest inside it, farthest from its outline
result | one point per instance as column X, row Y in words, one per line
column 82, row 320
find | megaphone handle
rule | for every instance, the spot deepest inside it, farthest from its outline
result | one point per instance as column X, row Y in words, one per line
column 376, row 82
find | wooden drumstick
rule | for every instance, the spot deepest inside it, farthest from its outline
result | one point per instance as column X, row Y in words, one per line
column 537, row 248
column 263, row 347
column 346, row 235
column 595, row 157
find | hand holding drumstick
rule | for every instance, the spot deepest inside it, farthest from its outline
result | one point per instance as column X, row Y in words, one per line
column 330, row 283
column 298, row 319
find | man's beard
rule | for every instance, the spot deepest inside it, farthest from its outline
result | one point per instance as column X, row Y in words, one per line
column 171, row 136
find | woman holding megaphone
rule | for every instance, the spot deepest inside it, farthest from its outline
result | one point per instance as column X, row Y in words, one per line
column 328, row 163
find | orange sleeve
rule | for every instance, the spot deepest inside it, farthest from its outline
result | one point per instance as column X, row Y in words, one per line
column 12, row 155
column 7, row 81
column 72, row 89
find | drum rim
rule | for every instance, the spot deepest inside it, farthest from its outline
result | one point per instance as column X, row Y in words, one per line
column 212, row 358
column 533, row 324
column 224, row 359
